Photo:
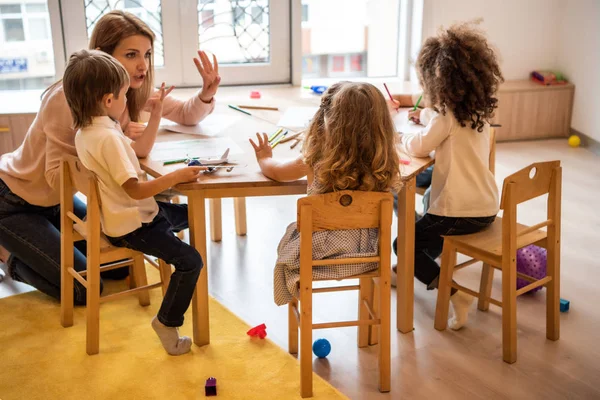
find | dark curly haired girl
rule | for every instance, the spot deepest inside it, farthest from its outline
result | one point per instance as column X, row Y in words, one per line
column 459, row 74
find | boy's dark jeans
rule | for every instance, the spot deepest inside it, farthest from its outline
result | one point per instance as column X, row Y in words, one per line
column 157, row 238
column 429, row 242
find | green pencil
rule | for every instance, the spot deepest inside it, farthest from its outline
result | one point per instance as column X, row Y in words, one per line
column 418, row 101
column 171, row 162
column 238, row 109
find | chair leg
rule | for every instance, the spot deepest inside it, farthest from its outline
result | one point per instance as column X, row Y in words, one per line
column 140, row 279
column 165, row 275
column 443, row 299
column 66, row 288
column 485, row 287
column 306, row 344
column 239, row 209
column 93, row 306
column 216, row 224
column 384, row 313
column 553, row 294
column 375, row 304
column 292, row 327
column 509, row 311
column 365, row 294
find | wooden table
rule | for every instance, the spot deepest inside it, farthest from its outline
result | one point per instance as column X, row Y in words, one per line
column 249, row 181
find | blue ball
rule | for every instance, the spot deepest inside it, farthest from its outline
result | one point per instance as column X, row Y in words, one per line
column 321, row 348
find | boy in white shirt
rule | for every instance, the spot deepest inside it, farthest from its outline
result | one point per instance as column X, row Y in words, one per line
column 459, row 74
column 95, row 86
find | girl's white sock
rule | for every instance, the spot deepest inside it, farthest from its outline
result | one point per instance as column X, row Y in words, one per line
column 461, row 302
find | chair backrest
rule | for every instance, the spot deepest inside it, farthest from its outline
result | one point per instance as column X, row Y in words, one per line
column 75, row 177
column 530, row 182
column 344, row 210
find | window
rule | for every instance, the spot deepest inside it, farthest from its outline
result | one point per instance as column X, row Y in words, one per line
column 148, row 11
column 26, row 47
column 363, row 41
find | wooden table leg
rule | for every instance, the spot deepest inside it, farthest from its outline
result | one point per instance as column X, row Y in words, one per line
column 216, row 226
column 406, row 256
column 239, row 208
column 197, row 221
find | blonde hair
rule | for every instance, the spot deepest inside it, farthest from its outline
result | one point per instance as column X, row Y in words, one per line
column 89, row 76
column 110, row 29
column 351, row 141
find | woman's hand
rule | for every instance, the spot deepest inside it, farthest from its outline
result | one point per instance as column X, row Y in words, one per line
column 210, row 76
column 415, row 116
column 263, row 149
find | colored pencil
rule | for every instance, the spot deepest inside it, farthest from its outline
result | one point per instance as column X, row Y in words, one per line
column 273, row 136
column 260, row 108
column 276, row 142
column 238, row 109
column 388, row 92
column 418, row 101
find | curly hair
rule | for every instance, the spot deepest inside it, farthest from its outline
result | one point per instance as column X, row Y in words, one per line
column 459, row 72
column 351, row 141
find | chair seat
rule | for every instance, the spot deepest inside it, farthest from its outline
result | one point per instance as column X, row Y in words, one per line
column 108, row 252
column 489, row 241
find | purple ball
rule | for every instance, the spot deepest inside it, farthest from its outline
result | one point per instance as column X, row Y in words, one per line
column 531, row 261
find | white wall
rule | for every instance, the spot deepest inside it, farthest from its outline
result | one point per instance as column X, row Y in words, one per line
column 525, row 32
column 579, row 60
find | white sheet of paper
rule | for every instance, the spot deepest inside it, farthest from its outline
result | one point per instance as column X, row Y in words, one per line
column 212, row 125
column 200, row 148
column 297, row 117
column 403, row 125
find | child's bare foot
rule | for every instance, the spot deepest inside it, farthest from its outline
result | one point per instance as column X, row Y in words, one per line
column 170, row 339
column 461, row 302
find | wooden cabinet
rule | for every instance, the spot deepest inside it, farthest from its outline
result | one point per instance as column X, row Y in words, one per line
column 528, row 110
column 13, row 128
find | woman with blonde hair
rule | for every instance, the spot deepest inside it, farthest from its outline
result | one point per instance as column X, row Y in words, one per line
column 350, row 145
column 29, row 176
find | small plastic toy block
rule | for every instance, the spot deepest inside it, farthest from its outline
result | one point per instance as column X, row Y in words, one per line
column 259, row 330
column 210, row 389
column 564, row 305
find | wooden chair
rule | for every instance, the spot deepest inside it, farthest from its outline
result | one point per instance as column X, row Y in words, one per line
column 340, row 211
column 492, row 160
column 76, row 178
column 497, row 247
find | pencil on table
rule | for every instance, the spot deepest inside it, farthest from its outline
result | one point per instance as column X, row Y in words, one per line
column 260, row 108
column 294, row 136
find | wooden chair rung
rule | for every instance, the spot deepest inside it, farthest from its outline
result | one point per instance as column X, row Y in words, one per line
column 466, row 264
column 340, row 261
column 345, row 324
column 296, row 313
column 150, row 261
column 124, row 293
column 75, row 218
column 335, row 289
column 464, row 289
column 369, row 309
column 111, row 266
column 78, row 276
column 535, row 227
column 533, row 285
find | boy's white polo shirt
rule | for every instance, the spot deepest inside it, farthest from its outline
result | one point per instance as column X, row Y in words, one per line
column 106, row 151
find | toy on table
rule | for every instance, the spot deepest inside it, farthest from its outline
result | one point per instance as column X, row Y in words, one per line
column 531, row 261
column 321, row 348
column 564, row 305
column 317, row 89
column 210, row 388
column 255, row 94
column 548, row 77
column 259, row 330
column 574, row 141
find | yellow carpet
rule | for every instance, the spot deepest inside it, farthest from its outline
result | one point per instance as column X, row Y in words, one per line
column 39, row 359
